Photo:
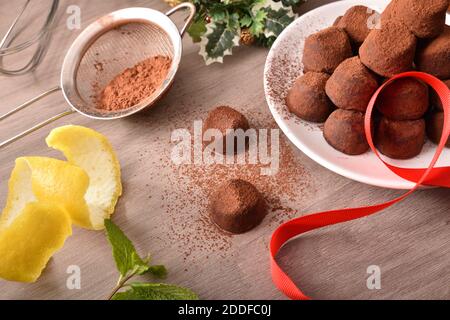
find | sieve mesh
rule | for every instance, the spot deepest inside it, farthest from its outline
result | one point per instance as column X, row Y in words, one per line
column 114, row 51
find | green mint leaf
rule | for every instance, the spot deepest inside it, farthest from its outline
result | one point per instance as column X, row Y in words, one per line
column 197, row 30
column 125, row 255
column 155, row 291
column 159, row 272
column 218, row 41
column 140, row 269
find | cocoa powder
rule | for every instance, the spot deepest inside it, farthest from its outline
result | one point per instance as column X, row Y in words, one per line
column 187, row 202
column 134, row 84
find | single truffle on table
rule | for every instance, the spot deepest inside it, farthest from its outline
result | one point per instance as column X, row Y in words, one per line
column 389, row 50
column 435, row 126
column 426, row 19
column 434, row 98
column 404, row 99
column 326, row 49
column 237, row 207
column 307, row 98
column 356, row 23
column 223, row 119
column 344, row 131
column 352, row 85
column 400, row 139
column 434, row 56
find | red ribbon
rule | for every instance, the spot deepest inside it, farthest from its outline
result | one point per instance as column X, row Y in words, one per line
column 431, row 176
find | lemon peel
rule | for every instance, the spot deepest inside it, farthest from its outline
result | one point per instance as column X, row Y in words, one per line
column 92, row 152
column 47, row 195
column 37, row 179
column 31, row 239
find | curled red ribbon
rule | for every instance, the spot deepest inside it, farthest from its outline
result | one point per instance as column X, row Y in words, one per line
column 431, row 176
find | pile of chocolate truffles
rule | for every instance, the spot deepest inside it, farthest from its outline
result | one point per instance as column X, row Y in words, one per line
column 346, row 63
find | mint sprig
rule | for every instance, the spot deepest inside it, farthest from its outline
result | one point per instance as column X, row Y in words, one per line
column 130, row 264
column 155, row 291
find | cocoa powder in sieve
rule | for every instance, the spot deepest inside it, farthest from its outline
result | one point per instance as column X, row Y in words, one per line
column 134, row 84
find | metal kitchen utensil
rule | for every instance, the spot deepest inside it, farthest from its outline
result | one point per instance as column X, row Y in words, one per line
column 41, row 38
column 103, row 50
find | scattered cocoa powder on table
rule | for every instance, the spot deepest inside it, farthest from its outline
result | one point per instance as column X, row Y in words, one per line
column 186, row 202
column 134, row 84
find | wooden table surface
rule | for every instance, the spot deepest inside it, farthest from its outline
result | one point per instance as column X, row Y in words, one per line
column 409, row 242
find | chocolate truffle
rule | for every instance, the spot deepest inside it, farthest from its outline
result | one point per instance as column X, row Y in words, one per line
column 391, row 11
column 435, row 126
column 426, row 19
column 389, row 50
column 352, row 85
column 434, row 98
column 307, row 98
column 237, row 207
column 344, row 131
column 356, row 23
column 326, row 49
column 434, row 56
column 336, row 22
column 400, row 139
column 404, row 99
column 223, row 119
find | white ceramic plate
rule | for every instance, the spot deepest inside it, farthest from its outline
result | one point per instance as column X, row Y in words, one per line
column 283, row 66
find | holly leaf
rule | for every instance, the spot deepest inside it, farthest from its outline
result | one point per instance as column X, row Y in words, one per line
column 125, row 255
column 266, row 42
column 197, row 30
column 218, row 15
column 257, row 27
column 292, row 3
column 277, row 17
column 155, row 291
column 219, row 40
column 246, row 21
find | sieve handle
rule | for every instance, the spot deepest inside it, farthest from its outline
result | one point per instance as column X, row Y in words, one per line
column 35, row 128
column 181, row 6
column 29, row 103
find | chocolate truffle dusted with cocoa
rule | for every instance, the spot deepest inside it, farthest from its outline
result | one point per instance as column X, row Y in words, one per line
column 225, row 118
column 435, row 126
column 434, row 56
column 389, row 50
column 356, row 23
column 434, row 98
column 400, row 139
column 426, row 19
column 344, row 131
column 390, row 12
column 307, row 98
column 404, row 99
column 237, row 207
column 326, row 49
column 336, row 22
column 352, row 85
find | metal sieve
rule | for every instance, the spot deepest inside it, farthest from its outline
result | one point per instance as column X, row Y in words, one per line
column 106, row 48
